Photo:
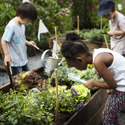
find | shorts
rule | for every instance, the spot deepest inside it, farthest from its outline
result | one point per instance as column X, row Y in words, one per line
column 17, row 70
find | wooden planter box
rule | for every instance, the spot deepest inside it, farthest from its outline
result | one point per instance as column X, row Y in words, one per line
column 89, row 115
column 91, row 44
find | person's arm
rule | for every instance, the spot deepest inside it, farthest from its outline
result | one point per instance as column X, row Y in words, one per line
column 6, row 52
column 30, row 43
column 117, row 32
column 101, row 63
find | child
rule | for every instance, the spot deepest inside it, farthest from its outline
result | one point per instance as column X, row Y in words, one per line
column 14, row 41
column 109, row 64
column 117, row 25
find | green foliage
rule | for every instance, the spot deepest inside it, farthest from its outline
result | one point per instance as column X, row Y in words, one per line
column 93, row 20
column 32, row 107
column 64, row 70
column 47, row 11
column 27, row 80
column 91, row 35
column 24, row 110
column 69, row 99
column 66, row 20
column 79, row 9
column 89, row 73
column 7, row 12
column 94, row 35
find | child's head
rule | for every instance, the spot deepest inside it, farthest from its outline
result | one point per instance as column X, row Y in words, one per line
column 107, row 8
column 26, row 11
column 75, row 51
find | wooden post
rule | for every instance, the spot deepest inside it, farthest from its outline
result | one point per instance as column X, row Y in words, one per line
column 56, row 80
column 106, row 41
column 78, row 24
column 101, row 23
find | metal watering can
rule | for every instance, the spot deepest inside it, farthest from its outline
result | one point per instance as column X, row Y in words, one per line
column 48, row 62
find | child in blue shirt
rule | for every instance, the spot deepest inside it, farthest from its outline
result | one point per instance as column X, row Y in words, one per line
column 14, row 41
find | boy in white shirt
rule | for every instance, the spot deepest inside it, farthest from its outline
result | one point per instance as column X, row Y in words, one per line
column 117, row 25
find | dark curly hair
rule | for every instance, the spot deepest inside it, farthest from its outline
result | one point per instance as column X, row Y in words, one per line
column 72, row 46
column 27, row 10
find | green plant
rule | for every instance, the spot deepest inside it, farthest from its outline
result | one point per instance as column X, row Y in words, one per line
column 19, row 109
column 7, row 12
column 32, row 107
column 79, row 9
column 27, row 80
column 70, row 100
column 65, row 18
column 47, row 11
column 94, row 35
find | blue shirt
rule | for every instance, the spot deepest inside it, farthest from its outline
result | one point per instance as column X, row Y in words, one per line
column 14, row 35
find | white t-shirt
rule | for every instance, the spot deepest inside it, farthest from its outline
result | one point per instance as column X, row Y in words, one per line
column 118, row 41
column 14, row 35
column 117, row 67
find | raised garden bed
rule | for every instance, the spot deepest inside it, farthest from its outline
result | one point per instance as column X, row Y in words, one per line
column 89, row 115
column 91, row 44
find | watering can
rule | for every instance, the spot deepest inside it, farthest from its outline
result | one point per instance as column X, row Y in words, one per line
column 48, row 62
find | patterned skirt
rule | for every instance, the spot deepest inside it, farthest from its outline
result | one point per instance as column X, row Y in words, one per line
column 114, row 104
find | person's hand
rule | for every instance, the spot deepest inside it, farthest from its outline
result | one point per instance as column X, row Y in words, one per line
column 31, row 43
column 109, row 91
column 111, row 33
column 7, row 59
column 89, row 84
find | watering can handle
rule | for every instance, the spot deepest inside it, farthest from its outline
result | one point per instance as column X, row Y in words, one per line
column 44, row 53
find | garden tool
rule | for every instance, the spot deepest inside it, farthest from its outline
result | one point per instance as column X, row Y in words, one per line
column 10, row 74
column 104, row 33
column 38, row 48
column 75, row 77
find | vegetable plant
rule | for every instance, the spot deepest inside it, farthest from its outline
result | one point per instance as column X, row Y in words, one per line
column 24, row 108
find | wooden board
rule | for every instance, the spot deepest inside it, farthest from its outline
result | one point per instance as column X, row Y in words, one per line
column 89, row 115
column 91, row 44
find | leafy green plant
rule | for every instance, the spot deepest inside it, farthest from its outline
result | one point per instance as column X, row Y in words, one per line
column 7, row 12
column 70, row 100
column 93, row 20
column 32, row 107
column 28, row 80
column 92, row 35
column 65, row 22
column 63, row 72
column 79, row 9
column 24, row 110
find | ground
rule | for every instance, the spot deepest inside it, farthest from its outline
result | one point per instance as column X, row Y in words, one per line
column 35, row 62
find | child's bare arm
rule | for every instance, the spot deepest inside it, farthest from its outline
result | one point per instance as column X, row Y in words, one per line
column 30, row 43
column 117, row 32
column 101, row 63
column 6, row 52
